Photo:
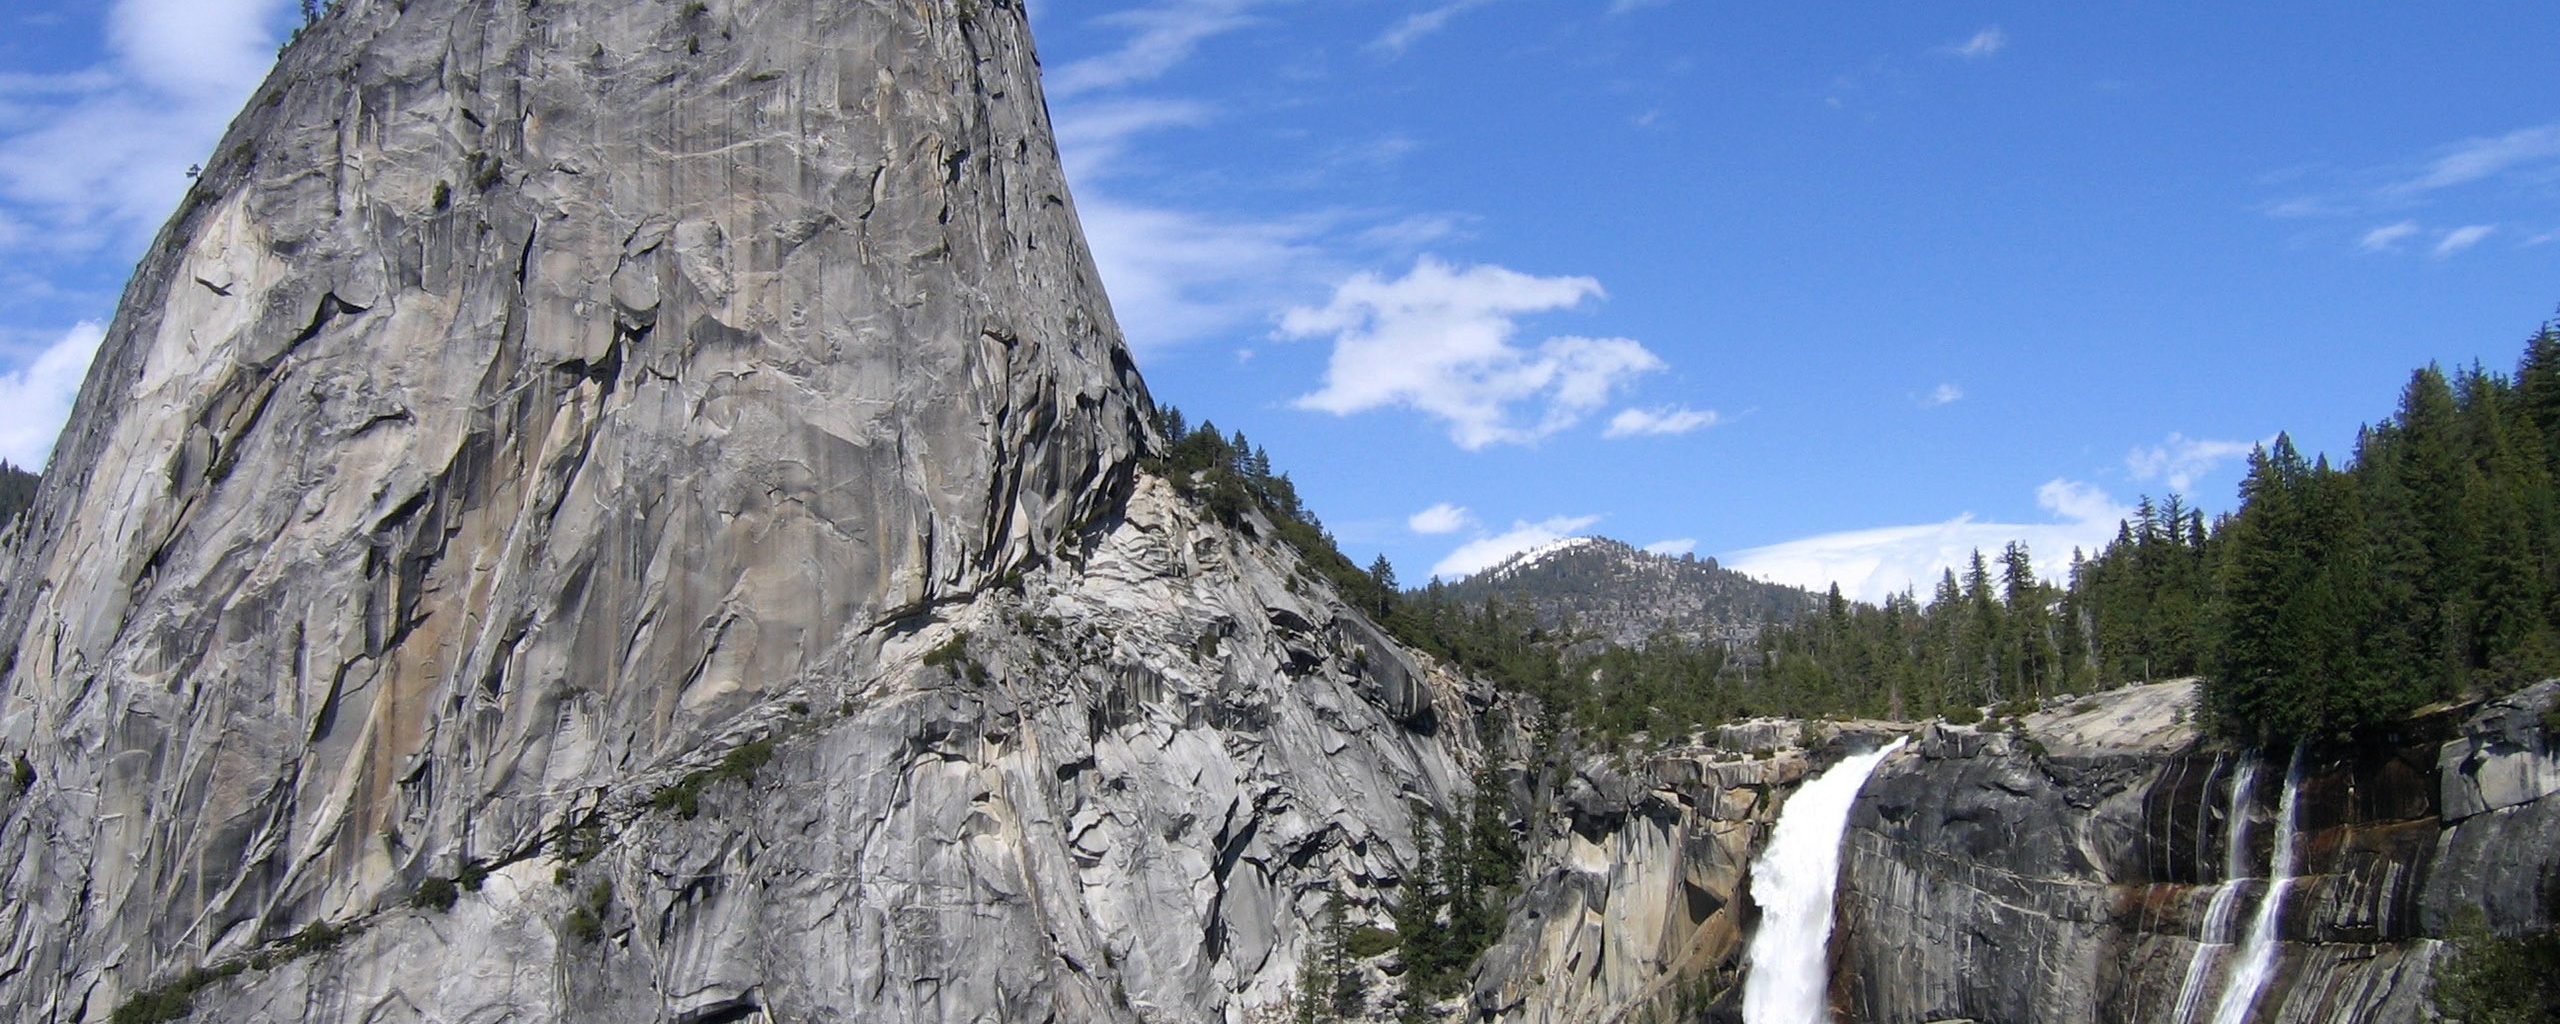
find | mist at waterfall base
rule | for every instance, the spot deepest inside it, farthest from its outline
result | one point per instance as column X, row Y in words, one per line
column 1793, row 883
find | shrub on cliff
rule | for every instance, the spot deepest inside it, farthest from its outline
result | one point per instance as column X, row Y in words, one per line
column 2494, row 979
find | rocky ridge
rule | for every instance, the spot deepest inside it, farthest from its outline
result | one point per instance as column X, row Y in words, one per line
column 1620, row 594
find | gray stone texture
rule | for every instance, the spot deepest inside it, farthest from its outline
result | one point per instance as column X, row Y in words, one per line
column 537, row 400
column 2056, row 873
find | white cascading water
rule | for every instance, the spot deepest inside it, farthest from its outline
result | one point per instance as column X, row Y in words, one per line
column 1793, row 882
column 2258, row 951
column 2216, row 935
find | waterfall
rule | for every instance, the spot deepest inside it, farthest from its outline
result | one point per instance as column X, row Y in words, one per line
column 1792, row 882
column 2216, row 935
column 2258, row 951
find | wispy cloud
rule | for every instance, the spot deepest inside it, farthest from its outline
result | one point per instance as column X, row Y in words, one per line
column 2387, row 237
column 2181, row 460
column 1875, row 563
column 1668, row 419
column 1179, row 271
column 1943, row 394
column 1439, row 519
column 2461, row 238
column 1093, row 137
column 1413, row 27
column 1983, row 44
column 2476, row 159
column 1486, row 551
column 36, row 398
column 1177, row 275
column 1674, row 547
column 95, row 158
column 2523, row 162
column 1439, row 339
column 1160, row 38
column 1416, row 231
column 1631, row 6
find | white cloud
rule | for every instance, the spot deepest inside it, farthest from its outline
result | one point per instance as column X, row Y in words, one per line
column 2527, row 157
column 1674, row 547
column 2181, row 460
column 1439, row 340
column 1875, row 563
column 1943, row 394
column 1441, row 518
column 1669, row 419
column 2461, row 238
column 2475, row 159
column 36, row 398
column 1092, row 137
column 1175, row 275
column 96, row 158
column 2388, row 237
column 1983, row 44
column 1483, row 552
column 1415, row 232
column 1415, row 26
column 1161, row 37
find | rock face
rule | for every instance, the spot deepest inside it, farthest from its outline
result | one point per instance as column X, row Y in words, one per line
column 2011, row 881
column 2056, row 873
column 1637, row 900
column 670, row 470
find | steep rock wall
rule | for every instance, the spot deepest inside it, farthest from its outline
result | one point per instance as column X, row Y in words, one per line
column 2063, row 874
column 2058, row 872
column 1635, row 895
column 535, row 403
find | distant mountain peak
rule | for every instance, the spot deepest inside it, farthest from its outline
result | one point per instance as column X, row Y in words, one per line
column 1531, row 557
column 1617, row 592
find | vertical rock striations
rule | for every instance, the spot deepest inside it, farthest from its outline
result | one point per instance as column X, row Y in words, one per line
column 630, row 511
column 2072, row 870
column 2067, row 874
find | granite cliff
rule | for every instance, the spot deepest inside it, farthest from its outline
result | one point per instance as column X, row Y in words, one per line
column 2060, row 870
column 633, row 511
column 639, row 511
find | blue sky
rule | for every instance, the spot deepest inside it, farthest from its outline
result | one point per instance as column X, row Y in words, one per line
column 1826, row 290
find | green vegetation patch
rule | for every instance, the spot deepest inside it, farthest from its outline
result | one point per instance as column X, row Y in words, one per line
column 954, row 654
column 437, row 894
column 175, row 1000
column 1369, row 940
column 2495, row 979
column 585, row 922
column 684, row 797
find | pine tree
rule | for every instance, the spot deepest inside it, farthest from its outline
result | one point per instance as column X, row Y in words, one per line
column 2257, row 583
column 2538, row 390
column 1347, row 990
column 1382, row 575
column 1419, row 901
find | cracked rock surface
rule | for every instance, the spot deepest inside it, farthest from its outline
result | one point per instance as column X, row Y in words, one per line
column 668, row 468
column 2058, row 873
